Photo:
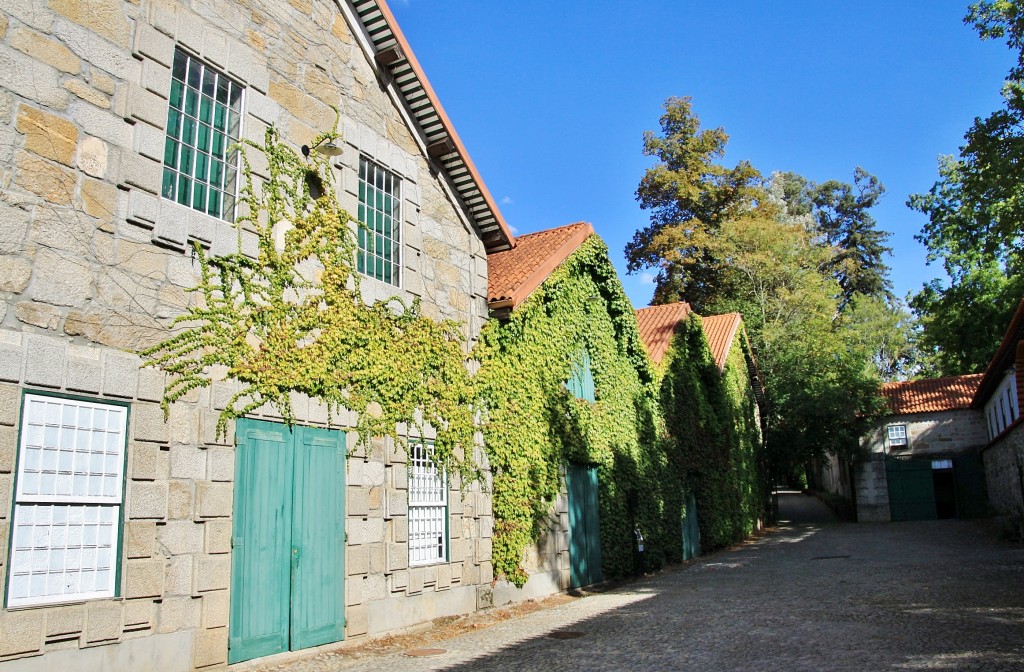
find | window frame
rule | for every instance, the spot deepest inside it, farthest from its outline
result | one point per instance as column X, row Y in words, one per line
column 231, row 160
column 426, row 462
column 117, row 546
column 365, row 230
column 890, row 439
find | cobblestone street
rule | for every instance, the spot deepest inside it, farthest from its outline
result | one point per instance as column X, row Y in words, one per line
column 940, row 595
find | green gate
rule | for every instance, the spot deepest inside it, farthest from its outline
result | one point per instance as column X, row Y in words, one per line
column 288, row 539
column 584, row 526
column 691, row 529
column 971, row 498
column 911, row 489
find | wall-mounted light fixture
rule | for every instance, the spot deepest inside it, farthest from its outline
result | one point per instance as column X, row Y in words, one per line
column 324, row 147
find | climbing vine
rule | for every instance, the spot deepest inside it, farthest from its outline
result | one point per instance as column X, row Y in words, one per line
column 535, row 426
column 291, row 319
column 717, row 450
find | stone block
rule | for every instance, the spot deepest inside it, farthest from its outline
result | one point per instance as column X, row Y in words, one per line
column 14, row 225
column 87, row 93
column 179, row 499
column 120, row 375
column 65, row 621
column 213, row 572
column 486, row 527
column 147, row 500
column 215, row 47
column 211, row 647
column 154, row 44
column 62, row 279
column 353, row 593
column 144, row 578
column 400, row 477
column 10, row 404
column 444, row 577
column 32, row 79
column 6, row 488
column 147, row 462
column 376, row 557
column 397, row 503
column 213, row 500
column 138, row 614
column 179, row 613
column 84, row 375
column 142, row 172
column 151, row 384
column 181, row 537
column 375, row 587
column 45, row 362
column 397, row 556
column 218, row 536
column 139, row 539
column 171, row 232
column 38, row 315
column 399, row 529
column 188, row 462
column 49, row 181
column 149, row 141
column 106, row 18
column 358, row 501
column 102, row 83
column 12, row 363
column 357, row 620
column 103, row 126
column 178, row 579
column 216, row 606
column 415, row 586
column 8, row 443
column 149, row 423
column 21, row 632
column 94, row 159
column 102, row 621
column 357, row 559
column 221, row 464
column 143, row 208
column 48, row 135
column 364, row 531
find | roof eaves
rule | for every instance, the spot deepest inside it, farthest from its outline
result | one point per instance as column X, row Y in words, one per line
column 1002, row 359
column 454, row 155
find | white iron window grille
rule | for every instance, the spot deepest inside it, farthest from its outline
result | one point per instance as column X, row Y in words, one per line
column 897, row 435
column 380, row 209
column 428, row 508
column 67, row 501
column 204, row 121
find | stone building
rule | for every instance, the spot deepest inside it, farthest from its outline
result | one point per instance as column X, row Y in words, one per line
column 923, row 456
column 999, row 400
column 128, row 541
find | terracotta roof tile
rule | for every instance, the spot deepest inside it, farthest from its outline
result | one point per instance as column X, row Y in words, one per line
column 721, row 332
column 935, row 394
column 657, row 324
column 514, row 274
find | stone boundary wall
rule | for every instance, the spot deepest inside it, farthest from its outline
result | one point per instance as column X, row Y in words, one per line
column 872, row 490
column 938, row 433
column 547, row 561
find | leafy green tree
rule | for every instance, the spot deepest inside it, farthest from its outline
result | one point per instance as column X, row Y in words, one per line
column 976, row 218
column 841, row 212
column 688, row 193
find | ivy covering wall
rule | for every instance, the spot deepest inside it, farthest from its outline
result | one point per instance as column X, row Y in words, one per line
column 716, row 449
column 535, row 425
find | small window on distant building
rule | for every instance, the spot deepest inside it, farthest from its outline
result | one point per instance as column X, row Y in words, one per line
column 897, row 436
column 428, row 508
column 380, row 209
column 204, row 121
column 67, row 501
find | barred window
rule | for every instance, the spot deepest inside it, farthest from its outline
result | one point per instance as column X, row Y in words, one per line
column 380, row 209
column 204, row 122
column 68, row 499
column 897, row 435
column 428, row 508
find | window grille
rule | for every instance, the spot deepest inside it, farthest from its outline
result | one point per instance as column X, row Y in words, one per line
column 204, row 122
column 897, row 435
column 380, row 209
column 428, row 508
column 68, row 501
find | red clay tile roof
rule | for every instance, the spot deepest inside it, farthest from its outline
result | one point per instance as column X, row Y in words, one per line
column 721, row 332
column 657, row 324
column 513, row 274
column 935, row 394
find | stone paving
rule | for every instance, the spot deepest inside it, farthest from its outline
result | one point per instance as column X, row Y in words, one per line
column 942, row 595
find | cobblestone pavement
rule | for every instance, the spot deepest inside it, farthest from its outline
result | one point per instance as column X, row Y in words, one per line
column 942, row 595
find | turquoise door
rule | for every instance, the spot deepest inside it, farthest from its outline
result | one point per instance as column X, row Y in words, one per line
column 584, row 526
column 911, row 489
column 691, row 529
column 288, row 539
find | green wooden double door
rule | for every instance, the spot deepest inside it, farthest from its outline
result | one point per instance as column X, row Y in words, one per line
column 584, row 525
column 288, row 539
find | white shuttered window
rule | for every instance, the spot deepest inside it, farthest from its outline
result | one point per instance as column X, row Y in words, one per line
column 428, row 508
column 68, row 501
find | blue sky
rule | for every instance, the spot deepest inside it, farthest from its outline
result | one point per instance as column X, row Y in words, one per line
column 551, row 98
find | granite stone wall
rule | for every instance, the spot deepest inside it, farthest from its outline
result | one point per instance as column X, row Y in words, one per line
column 94, row 265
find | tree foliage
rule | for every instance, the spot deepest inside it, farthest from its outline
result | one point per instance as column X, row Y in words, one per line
column 975, row 216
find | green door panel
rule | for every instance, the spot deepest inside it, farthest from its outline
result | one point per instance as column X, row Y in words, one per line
column 261, row 540
column 691, row 529
column 584, row 526
column 288, row 537
column 911, row 489
column 318, row 539
column 971, row 497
